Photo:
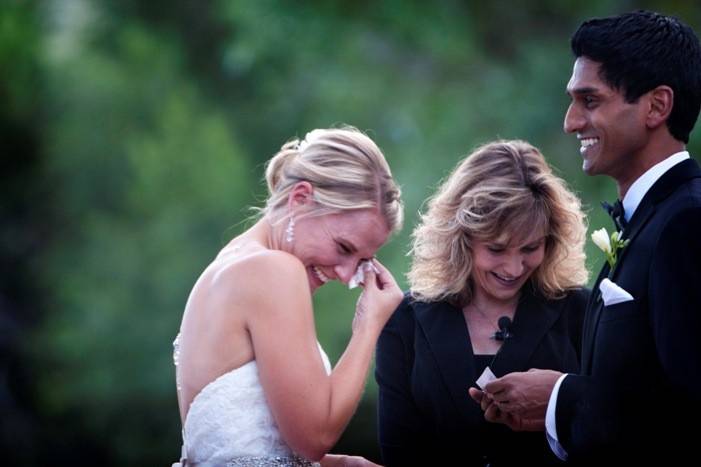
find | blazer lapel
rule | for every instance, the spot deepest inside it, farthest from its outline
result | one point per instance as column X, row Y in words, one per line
column 533, row 318
column 444, row 328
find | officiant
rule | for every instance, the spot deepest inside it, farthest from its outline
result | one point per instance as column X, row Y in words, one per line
column 496, row 276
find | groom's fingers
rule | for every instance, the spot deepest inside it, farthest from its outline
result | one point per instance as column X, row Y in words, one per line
column 476, row 394
column 493, row 414
column 497, row 385
column 532, row 424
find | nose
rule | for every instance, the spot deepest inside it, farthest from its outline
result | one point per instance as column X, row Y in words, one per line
column 573, row 120
column 344, row 272
column 514, row 266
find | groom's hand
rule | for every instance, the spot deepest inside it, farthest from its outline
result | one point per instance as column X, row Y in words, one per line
column 493, row 414
column 523, row 394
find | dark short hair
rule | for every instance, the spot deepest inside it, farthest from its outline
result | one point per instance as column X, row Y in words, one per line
column 641, row 50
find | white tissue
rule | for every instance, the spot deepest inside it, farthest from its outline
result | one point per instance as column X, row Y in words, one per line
column 359, row 275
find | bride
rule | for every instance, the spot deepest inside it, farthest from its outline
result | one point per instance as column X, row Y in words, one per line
column 254, row 386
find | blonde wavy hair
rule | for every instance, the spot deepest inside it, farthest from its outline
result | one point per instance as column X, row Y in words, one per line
column 346, row 169
column 504, row 189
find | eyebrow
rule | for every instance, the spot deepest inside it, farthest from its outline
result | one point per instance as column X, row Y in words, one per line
column 579, row 91
column 535, row 242
column 522, row 245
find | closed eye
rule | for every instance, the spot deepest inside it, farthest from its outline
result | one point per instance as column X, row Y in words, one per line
column 590, row 101
column 533, row 246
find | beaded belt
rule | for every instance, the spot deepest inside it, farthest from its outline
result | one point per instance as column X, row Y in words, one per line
column 278, row 461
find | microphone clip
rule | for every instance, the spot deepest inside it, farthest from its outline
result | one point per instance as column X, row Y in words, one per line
column 504, row 331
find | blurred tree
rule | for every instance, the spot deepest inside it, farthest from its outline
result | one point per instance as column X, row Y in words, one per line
column 147, row 177
column 24, row 215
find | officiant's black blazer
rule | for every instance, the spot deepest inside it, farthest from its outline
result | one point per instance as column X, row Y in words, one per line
column 425, row 366
column 640, row 384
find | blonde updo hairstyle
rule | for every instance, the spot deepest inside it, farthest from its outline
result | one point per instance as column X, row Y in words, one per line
column 504, row 190
column 346, row 170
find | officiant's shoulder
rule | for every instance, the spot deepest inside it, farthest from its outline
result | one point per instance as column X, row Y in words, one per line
column 578, row 297
column 575, row 306
column 404, row 315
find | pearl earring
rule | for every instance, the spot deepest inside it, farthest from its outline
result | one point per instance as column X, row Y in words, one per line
column 290, row 230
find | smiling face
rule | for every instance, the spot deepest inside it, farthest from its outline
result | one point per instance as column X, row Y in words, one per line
column 610, row 130
column 331, row 246
column 501, row 268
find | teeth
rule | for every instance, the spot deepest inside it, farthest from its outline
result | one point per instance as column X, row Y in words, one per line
column 586, row 142
column 513, row 279
column 322, row 277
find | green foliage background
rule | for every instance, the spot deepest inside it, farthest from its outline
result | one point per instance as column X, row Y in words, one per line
column 132, row 141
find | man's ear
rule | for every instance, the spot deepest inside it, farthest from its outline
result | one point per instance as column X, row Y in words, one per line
column 300, row 195
column 661, row 103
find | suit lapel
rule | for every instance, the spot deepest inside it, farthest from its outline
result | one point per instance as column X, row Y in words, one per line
column 665, row 186
column 662, row 188
column 594, row 306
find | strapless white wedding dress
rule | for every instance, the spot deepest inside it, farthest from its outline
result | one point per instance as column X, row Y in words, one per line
column 230, row 424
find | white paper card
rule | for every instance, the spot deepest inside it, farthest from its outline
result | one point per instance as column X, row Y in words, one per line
column 485, row 378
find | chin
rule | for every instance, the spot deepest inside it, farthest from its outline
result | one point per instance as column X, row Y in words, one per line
column 588, row 167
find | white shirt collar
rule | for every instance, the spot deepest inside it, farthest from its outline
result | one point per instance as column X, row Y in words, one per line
column 641, row 186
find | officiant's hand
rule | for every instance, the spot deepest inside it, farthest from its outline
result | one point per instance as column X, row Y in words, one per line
column 493, row 414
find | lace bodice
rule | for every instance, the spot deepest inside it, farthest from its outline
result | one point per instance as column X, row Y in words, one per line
column 230, row 419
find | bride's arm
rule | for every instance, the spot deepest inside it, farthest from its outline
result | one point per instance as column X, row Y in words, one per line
column 310, row 407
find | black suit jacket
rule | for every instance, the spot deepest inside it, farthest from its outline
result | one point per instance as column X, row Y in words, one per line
column 425, row 365
column 641, row 369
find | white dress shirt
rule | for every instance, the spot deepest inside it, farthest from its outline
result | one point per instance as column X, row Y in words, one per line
column 631, row 201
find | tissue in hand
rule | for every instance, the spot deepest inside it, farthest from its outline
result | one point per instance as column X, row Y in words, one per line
column 359, row 275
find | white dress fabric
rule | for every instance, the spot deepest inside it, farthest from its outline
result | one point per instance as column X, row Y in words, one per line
column 230, row 424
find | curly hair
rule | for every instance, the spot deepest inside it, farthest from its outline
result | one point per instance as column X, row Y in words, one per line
column 503, row 189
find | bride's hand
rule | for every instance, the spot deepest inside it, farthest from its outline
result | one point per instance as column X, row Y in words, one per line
column 380, row 297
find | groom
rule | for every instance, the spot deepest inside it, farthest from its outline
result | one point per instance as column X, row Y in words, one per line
column 635, row 91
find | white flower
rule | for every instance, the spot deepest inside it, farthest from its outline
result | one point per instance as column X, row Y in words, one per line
column 609, row 244
column 601, row 239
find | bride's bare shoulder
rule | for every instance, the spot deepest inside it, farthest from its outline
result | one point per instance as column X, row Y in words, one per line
column 256, row 264
column 255, row 270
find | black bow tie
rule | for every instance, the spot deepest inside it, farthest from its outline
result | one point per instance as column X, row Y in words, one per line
column 617, row 213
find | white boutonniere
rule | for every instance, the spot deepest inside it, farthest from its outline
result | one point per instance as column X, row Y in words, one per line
column 609, row 244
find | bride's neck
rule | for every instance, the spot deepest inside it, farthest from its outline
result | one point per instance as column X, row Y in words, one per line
column 263, row 233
